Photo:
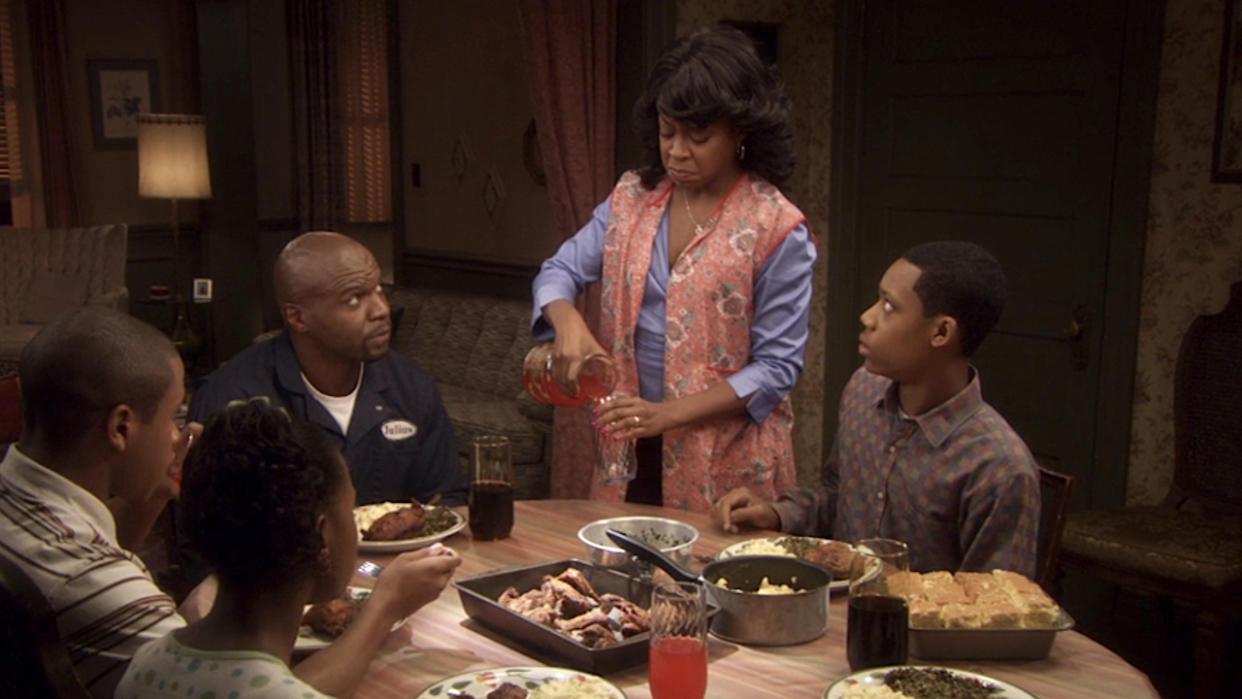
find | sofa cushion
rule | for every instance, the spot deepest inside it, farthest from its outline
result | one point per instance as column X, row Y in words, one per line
column 95, row 254
column 1159, row 542
column 13, row 338
column 476, row 413
column 51, row 293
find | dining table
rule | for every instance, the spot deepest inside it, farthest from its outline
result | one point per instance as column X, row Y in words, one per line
column 440, row 640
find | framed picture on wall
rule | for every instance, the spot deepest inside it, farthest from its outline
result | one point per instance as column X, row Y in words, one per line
column 120, row 91
column 1227, row 148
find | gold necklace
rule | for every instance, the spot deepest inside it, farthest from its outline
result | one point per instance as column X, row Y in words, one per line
column 698, row 229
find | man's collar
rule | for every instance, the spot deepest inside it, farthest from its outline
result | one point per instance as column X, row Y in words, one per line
column 939, row 422
column 48, row 485
column 289, row 371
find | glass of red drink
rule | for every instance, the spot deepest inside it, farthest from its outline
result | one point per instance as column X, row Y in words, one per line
column 678, row 654
column 875, row 631
column 491, row 488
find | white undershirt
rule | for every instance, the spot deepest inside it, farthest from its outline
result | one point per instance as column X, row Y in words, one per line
column 341, row 408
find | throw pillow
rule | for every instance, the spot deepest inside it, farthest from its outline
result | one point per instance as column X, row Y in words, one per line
column 50, row 294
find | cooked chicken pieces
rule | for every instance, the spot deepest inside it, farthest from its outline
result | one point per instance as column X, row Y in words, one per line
column 507, row 691
column 405, row 523
column 331, row 618
column 569, row 604
column 836, row 556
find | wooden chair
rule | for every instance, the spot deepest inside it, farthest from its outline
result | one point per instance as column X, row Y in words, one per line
column 1189, row 548
column 37, row 663
column 1055, row 490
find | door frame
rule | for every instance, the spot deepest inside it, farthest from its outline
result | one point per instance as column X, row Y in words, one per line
column 1144, row 33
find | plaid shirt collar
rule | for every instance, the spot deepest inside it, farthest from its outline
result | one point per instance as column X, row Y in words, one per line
column 939, row 422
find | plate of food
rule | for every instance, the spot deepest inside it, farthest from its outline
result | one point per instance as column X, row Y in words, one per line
column 404, row 526
column 523, row 683
column 322, row 623
column 921, row 682
column 833, row 556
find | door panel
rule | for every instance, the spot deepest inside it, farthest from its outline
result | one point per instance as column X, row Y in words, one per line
column 996, row 122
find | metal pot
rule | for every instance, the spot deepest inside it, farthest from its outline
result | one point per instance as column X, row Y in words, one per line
column 748, row 617
column 601, row 551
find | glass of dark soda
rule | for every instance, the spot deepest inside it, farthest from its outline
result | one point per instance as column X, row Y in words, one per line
column 491, row 488
column 875, row 632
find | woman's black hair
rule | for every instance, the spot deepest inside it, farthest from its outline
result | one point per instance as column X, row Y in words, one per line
column 252, row 489
column 711, row 74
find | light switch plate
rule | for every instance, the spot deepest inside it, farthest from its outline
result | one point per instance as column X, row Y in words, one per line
column 202, row 289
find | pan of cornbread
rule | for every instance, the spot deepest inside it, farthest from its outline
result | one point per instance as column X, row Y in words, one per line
column 979, row 616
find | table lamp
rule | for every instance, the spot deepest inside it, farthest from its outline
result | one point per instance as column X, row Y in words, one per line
column 172, row 164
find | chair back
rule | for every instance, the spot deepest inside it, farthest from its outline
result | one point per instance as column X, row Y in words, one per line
column 1207, row 412
column 37, row 661
column 94, row 255
column 1055, row 490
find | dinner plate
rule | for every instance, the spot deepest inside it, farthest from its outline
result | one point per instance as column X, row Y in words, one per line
column 362, row 513
column 875, row 677
column 478, row 684
column 309, row 640
column 763, row 546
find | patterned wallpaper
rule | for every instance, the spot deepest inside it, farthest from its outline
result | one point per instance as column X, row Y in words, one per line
column 1194, row 233
column 806, row 51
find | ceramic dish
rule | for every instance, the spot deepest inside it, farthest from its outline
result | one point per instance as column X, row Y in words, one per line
column 366, row 513
column 774, row 545
column 478, row 684
column 875, row 677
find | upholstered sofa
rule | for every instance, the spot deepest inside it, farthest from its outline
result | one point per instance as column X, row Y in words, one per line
column 46, row 271
column 474, row 345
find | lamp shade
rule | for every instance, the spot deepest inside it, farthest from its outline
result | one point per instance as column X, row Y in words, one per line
column 172, row 156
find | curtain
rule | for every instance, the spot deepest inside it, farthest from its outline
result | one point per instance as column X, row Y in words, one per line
column 313, row 65
column 571, row 56
column 57, row 145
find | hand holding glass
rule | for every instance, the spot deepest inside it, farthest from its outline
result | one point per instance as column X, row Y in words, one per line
column 875, row 634
column 615, row 461
column 678, row 654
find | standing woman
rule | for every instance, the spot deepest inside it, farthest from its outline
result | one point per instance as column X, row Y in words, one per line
column 706, row 282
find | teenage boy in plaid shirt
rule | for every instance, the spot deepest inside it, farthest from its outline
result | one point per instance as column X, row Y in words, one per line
column 919, row 456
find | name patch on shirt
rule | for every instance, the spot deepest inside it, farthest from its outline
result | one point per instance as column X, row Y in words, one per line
column 397, row 430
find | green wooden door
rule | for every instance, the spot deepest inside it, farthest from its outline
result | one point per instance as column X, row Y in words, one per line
column 1001, row 123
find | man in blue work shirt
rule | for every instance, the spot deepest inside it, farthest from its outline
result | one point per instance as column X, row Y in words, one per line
column 332, row 366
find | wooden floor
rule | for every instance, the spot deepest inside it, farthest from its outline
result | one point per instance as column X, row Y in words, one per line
column 1153, row 635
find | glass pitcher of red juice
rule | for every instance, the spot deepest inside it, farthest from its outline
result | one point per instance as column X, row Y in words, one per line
column 596, row 379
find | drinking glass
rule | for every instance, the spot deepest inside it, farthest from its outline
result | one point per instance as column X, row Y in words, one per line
column 615, row 461
column 875, row 632
column 678, row 653
column 491, row 488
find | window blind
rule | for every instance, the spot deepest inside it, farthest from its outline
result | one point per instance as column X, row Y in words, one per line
column 10, row 160
column 364, row 129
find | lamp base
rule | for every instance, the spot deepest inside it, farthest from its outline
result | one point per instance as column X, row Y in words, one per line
column 183, row 336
